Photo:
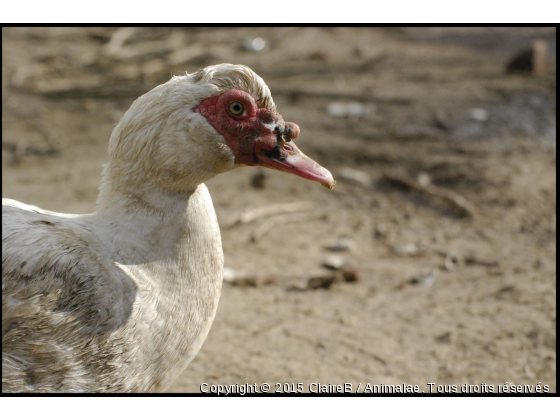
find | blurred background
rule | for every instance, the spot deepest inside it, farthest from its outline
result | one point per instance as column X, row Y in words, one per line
column 432, row 260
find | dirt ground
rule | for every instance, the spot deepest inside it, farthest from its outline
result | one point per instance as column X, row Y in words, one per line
column 451, row 217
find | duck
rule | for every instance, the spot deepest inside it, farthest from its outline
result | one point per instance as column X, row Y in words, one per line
column 122, row 299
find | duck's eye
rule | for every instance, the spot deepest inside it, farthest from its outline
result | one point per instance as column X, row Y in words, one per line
column 236, row 108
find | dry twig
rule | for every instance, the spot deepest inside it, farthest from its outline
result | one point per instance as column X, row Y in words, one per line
column 279, row 220
column 250, row 215
column 458, row 204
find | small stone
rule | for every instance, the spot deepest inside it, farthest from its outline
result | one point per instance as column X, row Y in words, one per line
column 230, row 274
column 245, row 282
column 238, row 278
column 425, row 280
column 478, row 114
column 334, row 262
column 350, row 275
column 322, row 282
column 341, row 245
column 254, row 45
column 318, row 56
column 355, row 109
column 336, row 109
column 381, row 231
column 269, row 280
column 444, row 338
column 258, row 180
column 343, row 110
column 355, row 176
column 406, row 250
column 471, row 260
column 423, row 179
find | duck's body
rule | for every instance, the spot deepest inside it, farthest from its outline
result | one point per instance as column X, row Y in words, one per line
column 104, row 306
column 121, row 300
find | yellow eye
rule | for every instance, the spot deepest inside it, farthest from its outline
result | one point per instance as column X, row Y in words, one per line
column 236, row 108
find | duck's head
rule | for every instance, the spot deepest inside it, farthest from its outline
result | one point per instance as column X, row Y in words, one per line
column 199, row 125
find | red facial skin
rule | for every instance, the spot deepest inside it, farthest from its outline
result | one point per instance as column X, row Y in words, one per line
column 260, row 136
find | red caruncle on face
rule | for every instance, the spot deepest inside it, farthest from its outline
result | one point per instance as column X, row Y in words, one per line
column 259, row 136
column 252, row 131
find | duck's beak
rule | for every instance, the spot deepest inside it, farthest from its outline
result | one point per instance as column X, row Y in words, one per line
column 286, row 157
column 279, row 152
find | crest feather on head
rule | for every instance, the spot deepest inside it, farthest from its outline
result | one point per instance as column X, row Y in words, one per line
column 231, row 76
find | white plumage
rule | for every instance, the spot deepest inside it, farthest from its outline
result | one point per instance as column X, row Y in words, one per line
column 121, row 300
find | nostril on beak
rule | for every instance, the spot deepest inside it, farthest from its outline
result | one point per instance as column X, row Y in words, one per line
column 287, row 147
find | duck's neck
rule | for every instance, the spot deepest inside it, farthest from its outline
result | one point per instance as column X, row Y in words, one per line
column 167, row 235
column 169, row 245
column 138, row 215
column 158, row 230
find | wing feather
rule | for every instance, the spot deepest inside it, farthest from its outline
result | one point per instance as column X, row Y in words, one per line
column 60, row 296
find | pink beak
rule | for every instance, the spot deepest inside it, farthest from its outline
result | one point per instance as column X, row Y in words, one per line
column 286, row 157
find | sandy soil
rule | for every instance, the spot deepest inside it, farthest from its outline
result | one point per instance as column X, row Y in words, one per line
column 441, row 298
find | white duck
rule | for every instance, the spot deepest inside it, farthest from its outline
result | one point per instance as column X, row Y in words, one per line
column 121, row 300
